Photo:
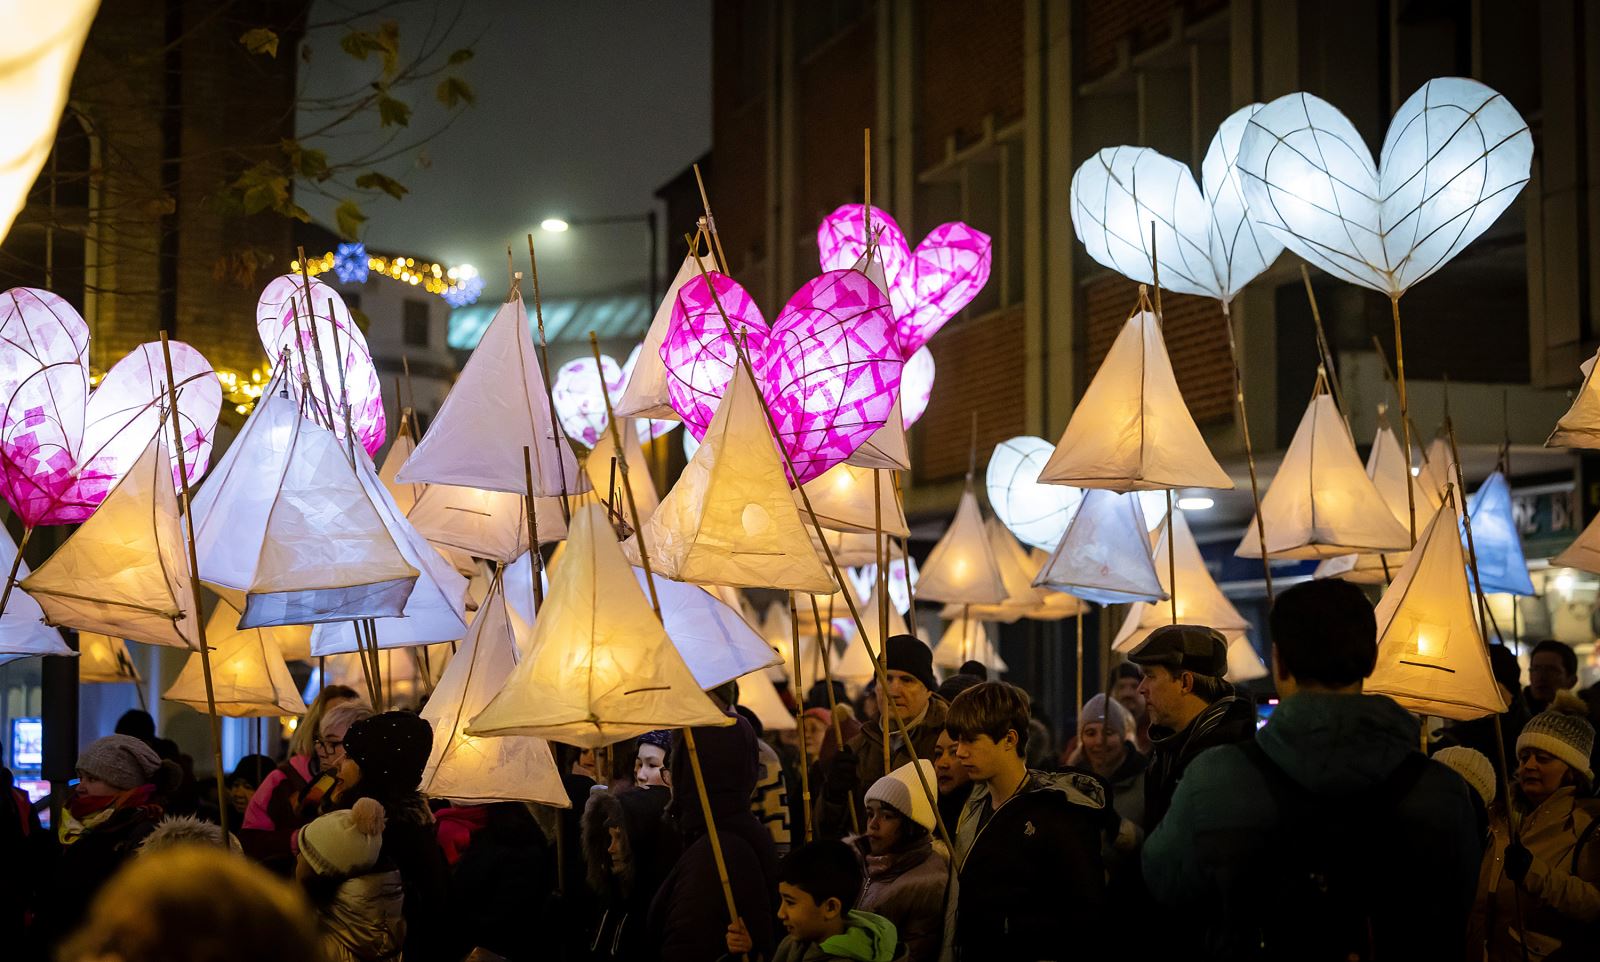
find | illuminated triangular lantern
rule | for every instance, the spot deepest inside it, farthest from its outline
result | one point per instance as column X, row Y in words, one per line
column 711, row 637
column 1131, row 431
column 1199, row 600
column 483, row 523
column 848, row 547
column 1051, row 604
column 1321, row 503
column 497, row 407
column 962, row 568
column 470, row 769
column 1580, row 426
column 1501, row 563
column 1584, row 552
column 598, row 468
column 777, row 630
column 1017, row 572
column 967, row 640
column 1437, row 472
column 645, row 395
column 406, row 673
column 1243, row 662
column 23, row 633
column 125, row 571
column 886, row 448
column 326, row 554
column 757, row 694
column 248, row 676
column 405, row 495
column 842, row 497
column 856, row 664
column 435, row 610
column 104, row 660
column 1431, row 656
column 1390, row 474
column 599, row 667
column 1105, row 555
column 730, row 519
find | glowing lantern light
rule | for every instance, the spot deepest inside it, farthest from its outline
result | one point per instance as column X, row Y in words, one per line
column 967, row 639
column 22, row 634
column 104, row 660
column 40, row 53
column 1198, row 599
column 1104, row 556
column 1501, row 563
column 1387, row 468
column 599, row 666
column 248, row 675
column 856, row 666
column 828, row 367
column 843, row 499
column 1017, row 572
column 961, row 568
column 1580, row 426
column 1038, row 514
column 757, row 693
column 1431, row 656
column 577, row 397
column 646, row 393
column 598, row 468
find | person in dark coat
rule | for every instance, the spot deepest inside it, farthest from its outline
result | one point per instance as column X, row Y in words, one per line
column 383, row 759
column 1191, row 707
column 1028, row 842
column 26, row 851
column 1311, row 836
column 121, row 787
column 1479, row 733
column 955, row 786
column 500, row 866
column 629, row 848
column 689, row 916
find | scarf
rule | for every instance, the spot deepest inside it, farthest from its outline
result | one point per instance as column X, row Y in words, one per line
column 84, row 813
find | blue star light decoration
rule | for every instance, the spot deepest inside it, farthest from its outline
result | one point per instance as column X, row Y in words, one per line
column 463, row 292
column 350, row 263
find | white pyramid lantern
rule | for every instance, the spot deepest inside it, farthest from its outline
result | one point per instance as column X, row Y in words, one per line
column 473, row 770
column 886, row 449
column 1321, row 503
column 1438, row 471
column 757, row 694
column 1431, row 656
column 498, row 407
column 1390, row 474
column 1105, row 555
column 434, row 611
column 249, row 678
column 850, row 548
column 842, row 497
column 1243, row 662
column 125, row 571
column 961, row 568
column 712, row 638
column 1584, row 552
column 1051, row 604
column 1131, row 431
column 482, row 523
column 967, row 640
column 1017, row 572
column 598, row 468
column 40, row 61
column 599, row 667
column 405, row 495
column 1501, row 563
column 857, row 663
column 730, row 519
column 1580, row 426
column 23, row 633
column 104, row 660
column 1199, row 601
column 645, row 395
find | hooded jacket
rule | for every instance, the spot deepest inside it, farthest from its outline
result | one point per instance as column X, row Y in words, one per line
column 1033, row 871
column 504, row 870
column 624, row 900
column 1215, row 853
column 908, row 888
column 833, row 815
column 688, row 918
column 1561, row 893
column 364, row 920
column 1225, row 721
column 866, row 938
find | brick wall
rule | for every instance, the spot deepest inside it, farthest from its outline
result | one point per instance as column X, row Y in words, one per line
column 970, row 68
column 1142, row 23
column 1195, row 338
column 978, row 368
column 836, row 101
column 738, row 185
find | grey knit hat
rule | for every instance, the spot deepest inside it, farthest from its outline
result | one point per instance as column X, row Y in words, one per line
column 1564, row 731
column 121, row 761
column 1116, row 718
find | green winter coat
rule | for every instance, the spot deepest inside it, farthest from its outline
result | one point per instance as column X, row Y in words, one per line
column 1213, row 854
column 866, row 938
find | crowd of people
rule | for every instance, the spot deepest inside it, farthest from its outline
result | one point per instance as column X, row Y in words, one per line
column 925, row 821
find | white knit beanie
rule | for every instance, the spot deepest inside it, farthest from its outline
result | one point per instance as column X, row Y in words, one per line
column 1117, row 718
column 902, row 791
column 346, row 842
column 1564, row 731
column 1472, row 766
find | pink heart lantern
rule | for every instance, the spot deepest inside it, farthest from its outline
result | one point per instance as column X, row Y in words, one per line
column 828, row 368
column 283, row 322
column 928, row 286
column 62, row 449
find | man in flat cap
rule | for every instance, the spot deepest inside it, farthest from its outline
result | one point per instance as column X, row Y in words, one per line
column 1191, row 707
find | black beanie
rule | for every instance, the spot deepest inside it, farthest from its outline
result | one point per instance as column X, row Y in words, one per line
column 392, row 749
column 905, row 653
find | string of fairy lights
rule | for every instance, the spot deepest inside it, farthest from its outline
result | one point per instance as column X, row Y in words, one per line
column 353, row 264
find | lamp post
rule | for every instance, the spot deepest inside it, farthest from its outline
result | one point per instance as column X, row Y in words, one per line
column 558, row 225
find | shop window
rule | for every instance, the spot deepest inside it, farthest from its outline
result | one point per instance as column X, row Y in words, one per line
column 414, row 323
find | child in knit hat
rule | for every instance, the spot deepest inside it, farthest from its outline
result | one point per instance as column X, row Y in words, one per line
column 904, row 866
column 361, row 902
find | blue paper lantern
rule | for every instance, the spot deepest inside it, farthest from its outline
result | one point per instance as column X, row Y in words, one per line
column 350, row 263
column 1501, row 563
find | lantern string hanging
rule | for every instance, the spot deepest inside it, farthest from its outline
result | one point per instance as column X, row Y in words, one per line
column 1455, row 156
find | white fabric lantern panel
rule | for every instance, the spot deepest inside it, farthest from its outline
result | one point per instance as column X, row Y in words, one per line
column 249, row 678
column 1038, row 514
column 962, row 568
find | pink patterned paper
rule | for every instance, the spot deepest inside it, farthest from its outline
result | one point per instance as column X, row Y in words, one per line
column 62, row 449
column 828, row 368
column 281, row 305
column 576, row 395
column 929, row 285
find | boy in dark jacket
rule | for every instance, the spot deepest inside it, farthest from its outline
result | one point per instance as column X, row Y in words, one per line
column 1306, row 842
column 1027, row 844
column 817, row 887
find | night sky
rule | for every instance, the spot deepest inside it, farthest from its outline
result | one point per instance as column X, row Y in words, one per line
column 583, row 109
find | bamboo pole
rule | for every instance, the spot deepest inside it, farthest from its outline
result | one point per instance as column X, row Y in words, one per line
column 549, row 390
column 655, row 603
column 535, row 559
column 16, row 565
column 1249, row 449
column 194, row 587
column 1405, row 411
column 824, row 646
column 1172, row 556
column 798, row 688
column 711, row 223
column 1078, row 675
column 880, row 587
column 905, row 559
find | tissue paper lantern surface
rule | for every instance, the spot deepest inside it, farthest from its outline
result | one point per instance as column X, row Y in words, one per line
column 1390, row 474
column 1038, row 514
column 249, row 678
column 104, row 660
column 1196, row 596
column 645, row 395
column 1431, row 656
column 39, row 52
column 843, row 499
column 1104, row 556
column 1501, row 564
column 1206, row 242
column 828, row 368
column 1580, row 426
column 22, row 631
column 962, row 568
column 1455, row 157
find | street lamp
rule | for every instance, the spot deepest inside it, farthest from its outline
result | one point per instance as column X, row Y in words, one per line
column 559, row 225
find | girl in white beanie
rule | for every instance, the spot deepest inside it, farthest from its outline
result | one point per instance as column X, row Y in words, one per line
column 905, row 868
column 1553, row 868
column 360, row 900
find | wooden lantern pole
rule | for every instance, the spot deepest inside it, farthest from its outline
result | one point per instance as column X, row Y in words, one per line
column 824, row 647
column 798, row 689
column 549, row 389
column 535, row 559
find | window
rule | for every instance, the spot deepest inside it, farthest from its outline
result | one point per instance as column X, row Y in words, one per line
column 414, row 330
